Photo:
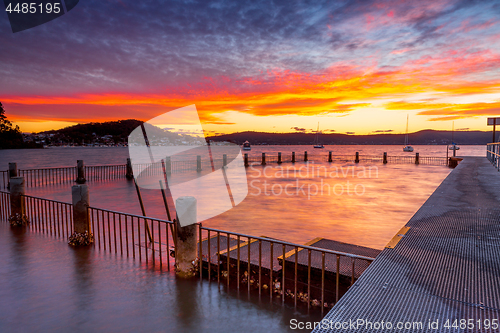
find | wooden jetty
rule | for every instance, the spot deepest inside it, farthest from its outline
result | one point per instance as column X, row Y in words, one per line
column 442, row 270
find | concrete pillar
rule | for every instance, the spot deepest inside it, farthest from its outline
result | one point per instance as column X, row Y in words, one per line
column 81, row 219
column 263, row 159
column 80, row 171
column 357, row 157
column 293, row 157
column 417, row 158
column 305, row 156
column 130, row 172
column 186, row 249
column 330, row 156
column 198, row 163
column 16, row 196
column 224, row 160
column 385, row 158
column 246, row 161
column 279, row 158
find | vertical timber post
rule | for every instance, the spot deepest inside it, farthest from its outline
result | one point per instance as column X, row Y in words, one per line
column 80, row 200
column 417, row 158
column 186, row 250
column 130, row 173
column 16, row 196
column 330, row 156
column 357, row 157
column 80, row 171
column 293, row 157
column 198, row 163
column 224, row 160
column 168, row 165
column 246, row 160
column 12, row 172
column 263, row 159
column 279, row 158
column 385, row 158
column 305, row 156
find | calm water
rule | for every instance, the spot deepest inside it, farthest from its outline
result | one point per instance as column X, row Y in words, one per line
column 47, row 286
column 363, row 204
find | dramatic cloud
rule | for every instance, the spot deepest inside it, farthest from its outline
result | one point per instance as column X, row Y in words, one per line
column 127, row 59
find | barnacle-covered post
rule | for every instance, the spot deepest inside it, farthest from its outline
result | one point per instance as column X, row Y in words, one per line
column 16, row 197
column 186, row 250
column 81, row 221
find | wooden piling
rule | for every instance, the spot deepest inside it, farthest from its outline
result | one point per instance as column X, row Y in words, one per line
column 305, row 156
column 198, row 163
column 263, row 159
column 186, row 250
column 330, row 156
column 417, row 158
column 130, row 173
column 385, row 158
column 80, row 179
column 246, row 161
column 224, row 160
column 293, row 157
column 12, row 172
column 357, row 157
column 279, row 158
column 168, row 165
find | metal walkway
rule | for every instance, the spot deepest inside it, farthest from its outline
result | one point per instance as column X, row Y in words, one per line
column 445, row 267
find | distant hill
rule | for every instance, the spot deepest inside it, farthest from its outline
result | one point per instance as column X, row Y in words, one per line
column 118, row 131
column 424, row 137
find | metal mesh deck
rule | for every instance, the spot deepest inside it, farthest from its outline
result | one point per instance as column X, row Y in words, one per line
column 446, row 266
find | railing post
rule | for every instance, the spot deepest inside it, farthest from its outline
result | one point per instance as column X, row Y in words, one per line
column 330, row 156
column 80, row 171
column 186, row 251
column 263, row 159
column 417, row 158
column 198, row 163
column 246, row 161
column 12, row 172
column 168, row 165
column 293, row 157
column 224, row 160
column 357, row 157
column 17, row 206
column 279, row 158
column 130, row 173
column 305, row 156
column 385, row 158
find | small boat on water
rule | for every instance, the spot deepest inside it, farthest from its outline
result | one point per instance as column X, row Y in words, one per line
column 246, row 145
column 407, row 147
column 317, row 144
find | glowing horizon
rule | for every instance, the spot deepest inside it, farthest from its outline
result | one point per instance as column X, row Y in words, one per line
column 351, row 67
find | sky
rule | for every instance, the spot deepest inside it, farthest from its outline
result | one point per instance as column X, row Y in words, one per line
column 276, row 66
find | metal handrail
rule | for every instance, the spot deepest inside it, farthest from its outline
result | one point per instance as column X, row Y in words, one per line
column 306, row 247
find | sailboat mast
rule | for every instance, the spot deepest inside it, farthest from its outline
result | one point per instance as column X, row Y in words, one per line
column 406, row 136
